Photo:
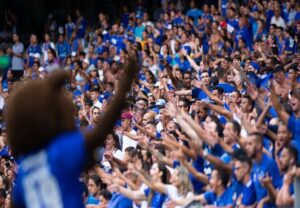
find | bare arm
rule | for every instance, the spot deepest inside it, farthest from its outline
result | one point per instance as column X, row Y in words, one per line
column 161, row 157
column 284, row 116
column 97, row 136
column 219, row 109
column 144, row 131
column 198, row 175
column 132, row 136
column 134, row 195
column 284, row 197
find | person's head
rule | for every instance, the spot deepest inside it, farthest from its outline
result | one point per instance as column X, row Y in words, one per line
column 202, row 112
column 277, row 11
column 10, row 174
column 150, row 78
column 295, row 100
column 213, row 125
column 47, row 37
column 141, row 103
column 218, row 92
column 78, row 13
column 51, row 54
column 94, row 94
column 232, row 129
column 159, row 172
column 292, row 74
column 130, row 154
column 205, row 78
column 180, row 179
column 151, row 127
column 278, row 74
column 94, row 185
column 235, row 97
column 178, row 74
column 148, row 117
column 242, row 167
column 221, row 73
column 187, row 79
column 288, row 158
column 112, row 141
column 33, row 39
column 126, row 119
column 219, row 179
column 183, row 104
column 96, row 112
column 105, row 196
column 2, row 197
column 254, row 145
column 16, row 37
column 4, row 182
column 4, row 136
column 283, row 135
column 171, row 126
column 247, row 104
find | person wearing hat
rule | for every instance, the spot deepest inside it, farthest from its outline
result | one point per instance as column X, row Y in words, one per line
column 126, row 131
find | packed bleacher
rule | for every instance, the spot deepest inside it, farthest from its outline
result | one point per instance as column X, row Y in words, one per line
column 212, row 120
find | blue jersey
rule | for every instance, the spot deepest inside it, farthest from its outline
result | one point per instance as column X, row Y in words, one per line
column 267, row 165
column 50, row 177
column 293, row 126
column 33, row 50
column 224, row 200
column 5, row 151
column 63, row 50
column 198, row 164
column 81, row 28
column 248, row 194
column 157, row 199
column 119, row 201
column 290, row 45
column 228, row 88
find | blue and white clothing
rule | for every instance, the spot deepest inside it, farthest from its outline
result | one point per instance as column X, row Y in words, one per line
column 33, row 51
column 50, row 177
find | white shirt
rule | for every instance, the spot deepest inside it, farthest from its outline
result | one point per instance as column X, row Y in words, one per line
column 17, row 62
column 279, row 22
column 2, row 102
column 45, row 47
column 128, row 142
column 173, row 194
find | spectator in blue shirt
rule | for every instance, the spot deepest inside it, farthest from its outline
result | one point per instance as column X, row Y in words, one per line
column 33, row 50
column 94, row 187
column 247, row 196
column 263, row 166
column 292, row 121
column 219, row 195
column 63, row 49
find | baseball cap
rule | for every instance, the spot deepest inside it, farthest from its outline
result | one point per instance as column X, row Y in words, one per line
column 126, row 115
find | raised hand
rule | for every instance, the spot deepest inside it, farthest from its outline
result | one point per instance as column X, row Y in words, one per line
column 171, row 110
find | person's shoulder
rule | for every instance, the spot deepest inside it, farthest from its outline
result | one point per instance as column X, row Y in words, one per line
column 67, row 137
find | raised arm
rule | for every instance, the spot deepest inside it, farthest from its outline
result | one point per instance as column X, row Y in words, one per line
column 144, row 131
column 161, row 157
column 284, row 116
column 134, row 195
column 198, row 175
column 97, row 136
column 219, row 109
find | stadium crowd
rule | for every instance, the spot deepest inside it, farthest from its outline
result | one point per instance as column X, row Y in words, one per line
column 213, row 118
